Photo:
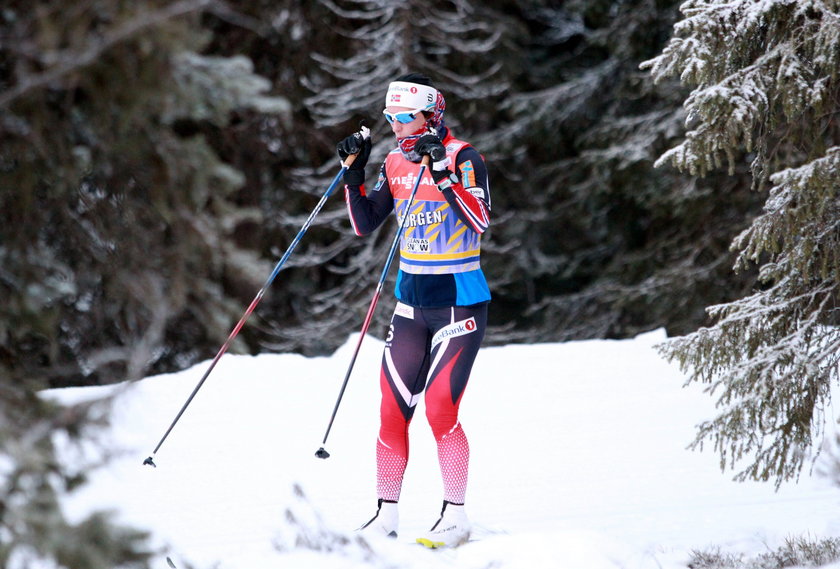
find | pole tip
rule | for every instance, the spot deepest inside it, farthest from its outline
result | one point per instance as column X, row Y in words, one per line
column 150, row 462
column 322, row 453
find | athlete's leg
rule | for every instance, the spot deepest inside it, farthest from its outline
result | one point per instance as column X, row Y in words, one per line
column 405, row 364
column 454, row 347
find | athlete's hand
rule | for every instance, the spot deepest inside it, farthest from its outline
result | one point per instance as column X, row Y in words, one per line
column 359, row 145
column 431, row 146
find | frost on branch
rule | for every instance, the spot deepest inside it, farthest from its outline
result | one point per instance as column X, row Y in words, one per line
column 801, row 220
column 755, row 67
column 392, row 39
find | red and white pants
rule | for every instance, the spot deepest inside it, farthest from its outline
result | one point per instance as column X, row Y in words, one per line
column 428, row 351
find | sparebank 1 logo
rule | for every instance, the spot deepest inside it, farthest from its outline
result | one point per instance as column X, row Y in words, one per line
column 455, row 329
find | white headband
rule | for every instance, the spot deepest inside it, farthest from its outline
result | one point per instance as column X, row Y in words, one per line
column 411, row 95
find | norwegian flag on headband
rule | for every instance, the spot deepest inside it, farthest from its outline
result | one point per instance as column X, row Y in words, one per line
column 413, row 95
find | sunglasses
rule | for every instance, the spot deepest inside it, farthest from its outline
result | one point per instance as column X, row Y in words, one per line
column 403, row 117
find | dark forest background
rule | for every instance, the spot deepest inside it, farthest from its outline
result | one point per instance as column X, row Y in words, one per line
column 157, row 158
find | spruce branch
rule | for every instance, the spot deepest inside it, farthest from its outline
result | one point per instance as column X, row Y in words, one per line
column 70, row 60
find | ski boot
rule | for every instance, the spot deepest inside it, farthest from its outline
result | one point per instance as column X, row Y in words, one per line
column 385, row 521
column 451, row 530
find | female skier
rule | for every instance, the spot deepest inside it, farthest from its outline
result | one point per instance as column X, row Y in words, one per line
column 441, row 311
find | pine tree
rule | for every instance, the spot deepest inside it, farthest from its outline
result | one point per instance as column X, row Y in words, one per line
column 36, row 478
column 114, row 201
column 765, row 80
column 114, row 213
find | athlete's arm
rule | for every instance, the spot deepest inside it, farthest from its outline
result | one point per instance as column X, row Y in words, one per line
column 470, row 197
column 367, row 212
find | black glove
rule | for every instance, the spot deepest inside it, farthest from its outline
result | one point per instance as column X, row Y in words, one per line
column 359, row 145
column 430, row 144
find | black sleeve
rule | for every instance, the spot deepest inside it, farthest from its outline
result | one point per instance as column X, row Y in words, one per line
column 368, row 210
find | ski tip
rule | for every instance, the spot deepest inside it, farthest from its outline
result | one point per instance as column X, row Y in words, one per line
column 322, row 453
column 150, row 462
column 428, row 543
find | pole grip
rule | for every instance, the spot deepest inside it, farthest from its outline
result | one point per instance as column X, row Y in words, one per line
column 365, row 132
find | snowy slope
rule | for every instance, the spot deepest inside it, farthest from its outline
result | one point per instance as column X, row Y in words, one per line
column 578, row 461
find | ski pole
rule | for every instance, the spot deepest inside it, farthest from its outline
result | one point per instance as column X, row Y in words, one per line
column 365, row 132
column 321, row 452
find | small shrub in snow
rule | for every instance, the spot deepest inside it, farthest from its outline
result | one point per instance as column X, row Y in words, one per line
column 796, row 552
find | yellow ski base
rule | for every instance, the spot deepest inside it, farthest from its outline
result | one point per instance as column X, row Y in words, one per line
column 429, row 543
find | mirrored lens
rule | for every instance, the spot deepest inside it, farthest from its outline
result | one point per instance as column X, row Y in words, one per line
column 403, row 117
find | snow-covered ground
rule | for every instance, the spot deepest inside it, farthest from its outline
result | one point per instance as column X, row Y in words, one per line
column 578, row 461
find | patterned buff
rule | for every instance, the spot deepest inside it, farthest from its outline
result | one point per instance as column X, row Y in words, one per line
column 434, row 122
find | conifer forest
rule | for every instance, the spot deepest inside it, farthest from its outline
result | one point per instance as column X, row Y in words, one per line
column 653, row 164
column 158, row 157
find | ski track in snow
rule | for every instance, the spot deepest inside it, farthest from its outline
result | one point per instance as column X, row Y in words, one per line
column 578, row 460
